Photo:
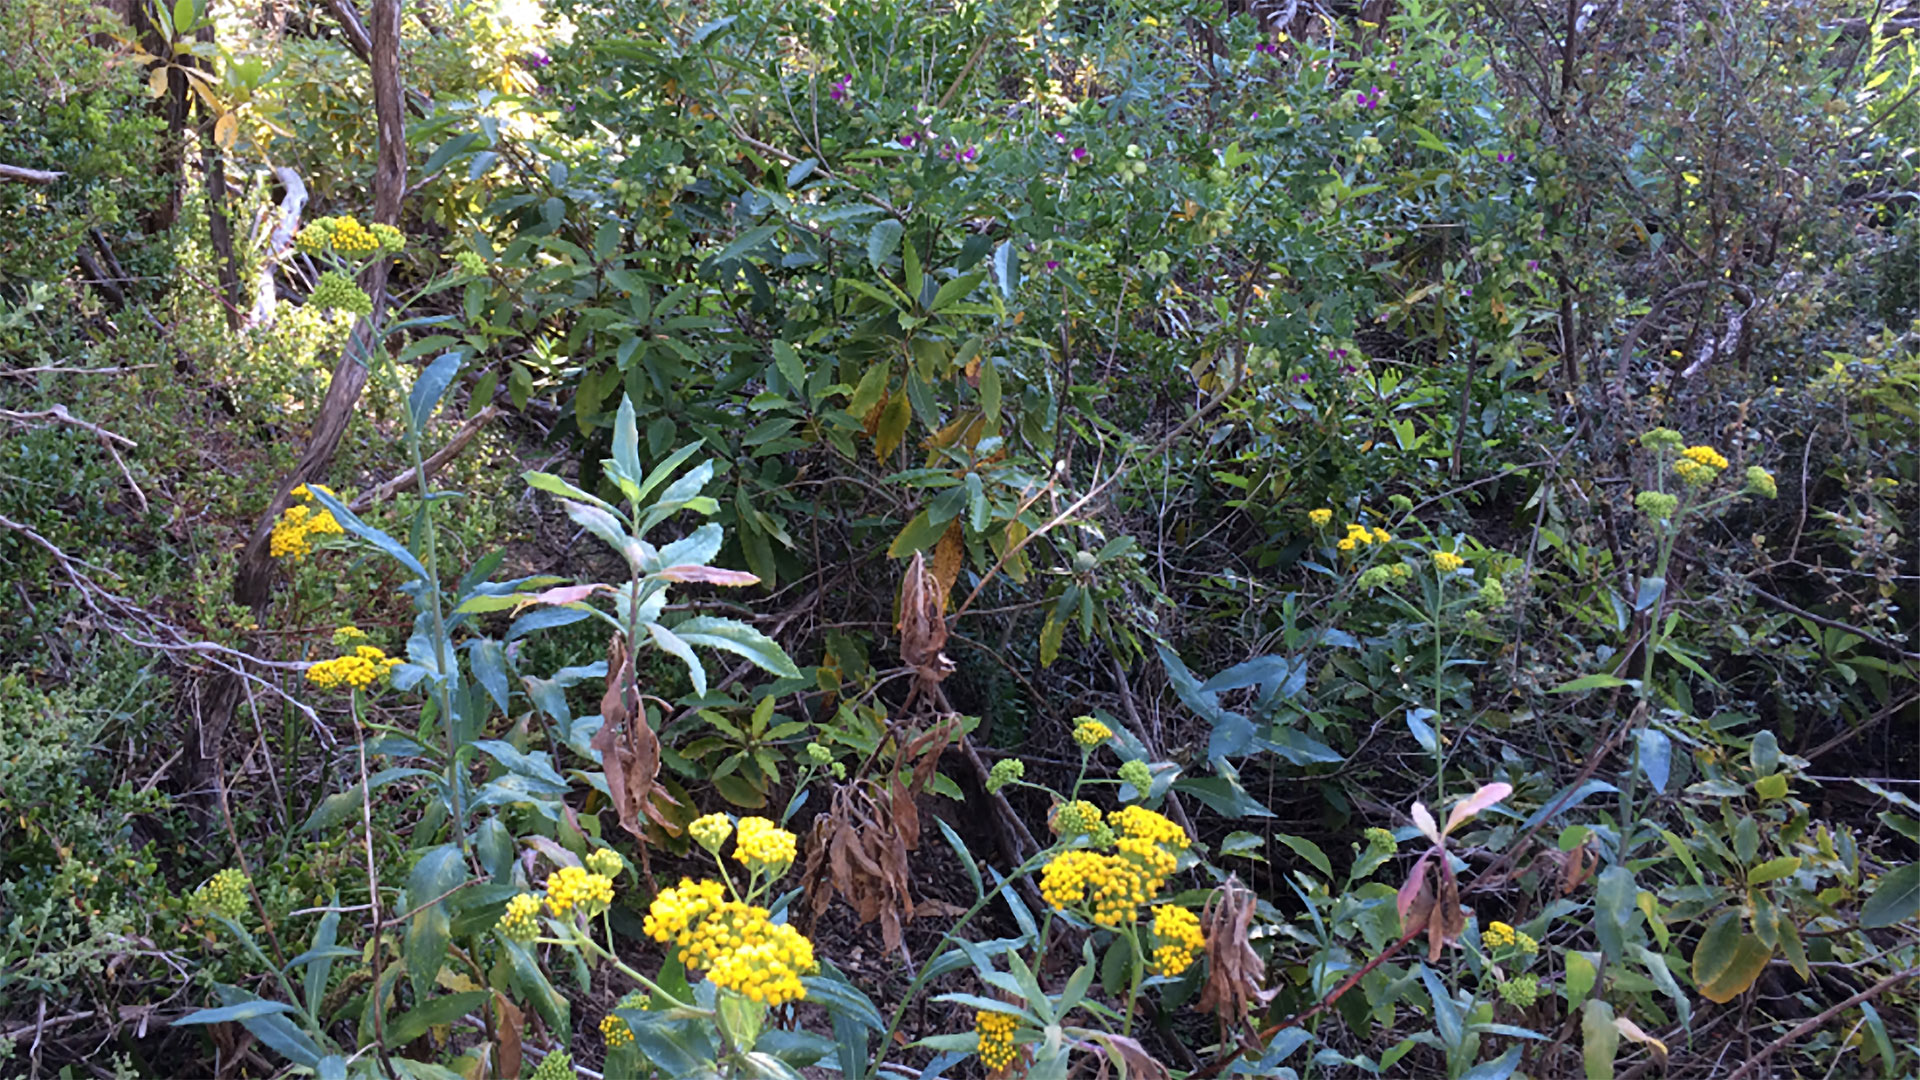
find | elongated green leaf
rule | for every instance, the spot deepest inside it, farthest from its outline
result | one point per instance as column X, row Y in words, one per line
column 747, row 242
column 445, row 1009
column 740, row 639
column 1598, row 681
column 1599, row 1040
column 554, row 485
column 626, row 448
column 674, row 645
column 1895, row 900
column 430, row 387
column 428, row 932
column 353, row 525
column 1309, row 851
column 882, row 239
column 230, row 1013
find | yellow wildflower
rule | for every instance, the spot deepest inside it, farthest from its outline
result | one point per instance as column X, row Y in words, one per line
column 995, row 1031
column 1447, row 562
column 764, row 846
column 1705, row 455
column 1381, row 536
column 1090, row 733
column 1498, row 935
column 358, row 670
column 1178, row 932
column 711, row 831
column 615, row 1031
column 606, row 862
column 572, row 888
column 737, row 944
column 1320, row 518
column 1076, row 817
column 1346, row 544
column 518, row 921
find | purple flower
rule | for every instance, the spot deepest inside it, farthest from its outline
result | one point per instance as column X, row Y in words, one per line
column 1368, row 100
column 1255, row 116
column 1052, row 265
column 1360, row 99
column 1504, row 159
column 1533, row 264
column 1393, row 66
column 1267, row 47
column 1348, row 369
column 969, row 153
column 536, row 59
column 1468, row 291
column 839, row 90
column 1300, row 378
column 1078, row 155
column 1060, row 137
column 907, row 140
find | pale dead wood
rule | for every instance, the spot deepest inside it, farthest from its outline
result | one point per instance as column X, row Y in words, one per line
column 405, row 479
column 20, row 175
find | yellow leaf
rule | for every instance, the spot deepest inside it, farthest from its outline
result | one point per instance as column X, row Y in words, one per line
column 225, row 130
column 893, row 426
column 157, row 82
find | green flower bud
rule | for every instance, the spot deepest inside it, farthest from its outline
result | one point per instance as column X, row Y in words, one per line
column 1760, row 482
column 1137, row 773
column 1657, row 505
column 1004, row 772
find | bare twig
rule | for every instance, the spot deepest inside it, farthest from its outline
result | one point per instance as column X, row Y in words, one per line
column 1817, row 1022
column 20, row 175
column 405, row 480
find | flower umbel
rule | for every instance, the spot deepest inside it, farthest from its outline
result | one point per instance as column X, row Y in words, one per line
column 520, row 921
column 224, row 894
column 572, row 888
column 615, row 1031
column 1090, row 733
column 711, row 831
column 1320, row 517
column 1178, row 932
column 995, row 1030
column 358, row 670
column 1447, row 562
column 764, row 846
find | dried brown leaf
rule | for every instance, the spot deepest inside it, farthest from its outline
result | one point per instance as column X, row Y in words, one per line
column 1448, row 920
column 508, row 1020
column 1134, row 1059
column 923, row 625
column 1235, row 971
column 629, row 750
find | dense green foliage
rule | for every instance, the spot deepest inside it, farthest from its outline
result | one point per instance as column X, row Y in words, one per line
column 1159, row 448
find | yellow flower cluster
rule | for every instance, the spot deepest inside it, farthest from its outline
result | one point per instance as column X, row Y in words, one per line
column 519, row 921
column 1447, row 562
column 615, row 1031
column 711, row 831
column 224, row 894
column 1499, row 935
column 573, row 888
column 1360, row 536
column 1320, row 518
column 1699, row 465
column 764, row 846
column 1076, row 817
column 606, row 862
column 1178, row 932
column 292, row 528
column 359, row 669
column 347, row 236
column 737, row 944
column 1090, row 733
column 995, row 1030
column 1110, row 887
column 1704, row 455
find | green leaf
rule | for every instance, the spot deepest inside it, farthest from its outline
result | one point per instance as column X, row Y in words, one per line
column 1580, row 974
column 872, row 385
column 1309, row 851
column 920, row 534
column 230, row 1013
column 352, row 524
column 1773, row 870
column 954, row 290
column 1597, row 681
column 966, row 857
column 428, row 932
column 674, row 645
column 1727, row 961
column 1224, row 796
column 741, row 640
column 1613, row 908
column 533, row 984
column 791, row 369
column 1599, row 1040
column 747, row 242
column 910, row 265
column 626, row 448
column 1765, row 753
column 430, row 386
column 553, row 485
column 1895, row 900
column 892, row 429
column 445, row 1009
column 321, row 966
column 990, row 388
column 882, row 239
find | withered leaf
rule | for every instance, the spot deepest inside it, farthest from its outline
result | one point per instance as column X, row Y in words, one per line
column 629, row 749
column 923, row 626
column 1235, row 971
